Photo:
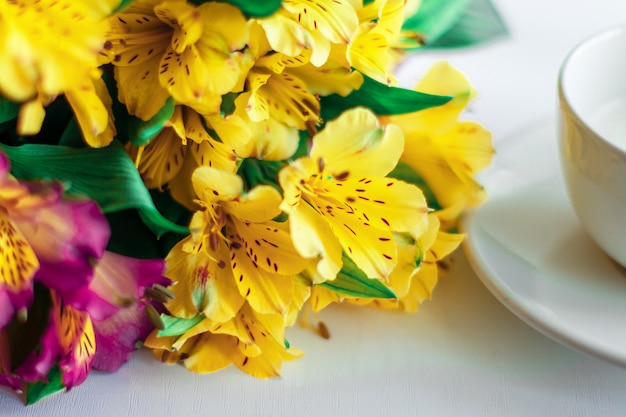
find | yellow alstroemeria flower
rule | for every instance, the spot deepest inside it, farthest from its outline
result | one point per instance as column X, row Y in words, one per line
column 446, row 152
column 49, row 48
column 339, row 198
column 183, row 145
column 310, row 24
column 370, row 49
column 414, row 278
column 254, row 342
column 194, row 54
column 235, row 251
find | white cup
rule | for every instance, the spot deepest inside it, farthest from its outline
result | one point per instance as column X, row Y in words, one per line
column 592, row 137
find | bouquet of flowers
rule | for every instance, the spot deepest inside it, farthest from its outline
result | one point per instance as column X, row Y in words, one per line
column 194, row 177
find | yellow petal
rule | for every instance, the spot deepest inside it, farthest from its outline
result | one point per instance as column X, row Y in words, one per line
column 334, row 77
column 31, row 117
column 18, row 262
column 91, row 104
column 365, row 150
column 139, row 88
column 202, row 283
column 266, row 292
column 260, row 204
column 284, row 97
column 233, row 132
column 208, row 352
column 369, row 51
column 371, row 248
column 312, row 237
column 161, row 159
column 284, row 34
column 336, row 20
column 212, row 185
column 384, row 203
column 272, row 245
column 185, row 19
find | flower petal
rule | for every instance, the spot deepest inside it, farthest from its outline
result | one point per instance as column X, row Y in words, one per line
column 365, row 149
column 260, row 204
column 67, row 237
column 202, row 283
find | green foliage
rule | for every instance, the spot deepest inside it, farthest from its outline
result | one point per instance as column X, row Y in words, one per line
column 40, row 390
column 105, row 175
column 459, row 23
column 251, row 8
column 141, row 132
column 8, row 110
column 405, row 173
column 175, row 326
column 381, row 99
column 351, row 281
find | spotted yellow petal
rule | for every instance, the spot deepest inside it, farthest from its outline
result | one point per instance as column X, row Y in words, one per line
column 356, row 146
column 266, row 292
column 284, row 97
column 369, row 49
column 334, row 77
column 139, row 88
column 385, row 203
column 185, row 19
column 313, row 237
column 159, row 161
column 371, row 248
column 18, row 262
column 284, row 34
column 202, row 283
column 212, row 185
column 269, row 245
column 336, row 20
column 77, row 343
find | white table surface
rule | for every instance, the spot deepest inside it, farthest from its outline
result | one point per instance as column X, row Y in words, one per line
column 463, row 353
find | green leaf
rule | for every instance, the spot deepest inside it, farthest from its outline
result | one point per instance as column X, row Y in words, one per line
column 175, row 326
column 381, row 99
column 259, row 172
column 106, row 175
column 40, row 390
column 480, row 23
column 131, row 237
column 8, row 110
column 141, row 132
column 405, row 173
column 251, row 8
column 458, row 23
column 353, row 282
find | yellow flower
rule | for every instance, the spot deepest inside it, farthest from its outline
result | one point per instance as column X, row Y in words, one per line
column 254, row 342
column 412, row 280
column 194, row 54
column 446, row 152
column 235, row 251
column 310, row 24
column 370, row 49
column 339, row 199
column 182, row 145
column 49, row 48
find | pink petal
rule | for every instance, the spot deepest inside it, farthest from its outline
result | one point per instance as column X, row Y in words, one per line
column 117, row 336
column 119, row 281
column 67, row 237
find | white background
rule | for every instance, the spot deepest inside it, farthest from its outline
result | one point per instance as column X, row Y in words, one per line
column 463, row 353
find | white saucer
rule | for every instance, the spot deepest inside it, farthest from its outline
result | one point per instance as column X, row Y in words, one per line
column 528, row 248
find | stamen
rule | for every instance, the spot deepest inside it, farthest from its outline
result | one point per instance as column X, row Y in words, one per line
column 154, row 317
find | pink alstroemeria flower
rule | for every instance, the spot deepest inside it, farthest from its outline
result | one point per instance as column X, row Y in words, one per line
column 60, row 244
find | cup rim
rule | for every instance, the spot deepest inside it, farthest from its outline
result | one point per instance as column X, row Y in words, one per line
column 563, row 98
